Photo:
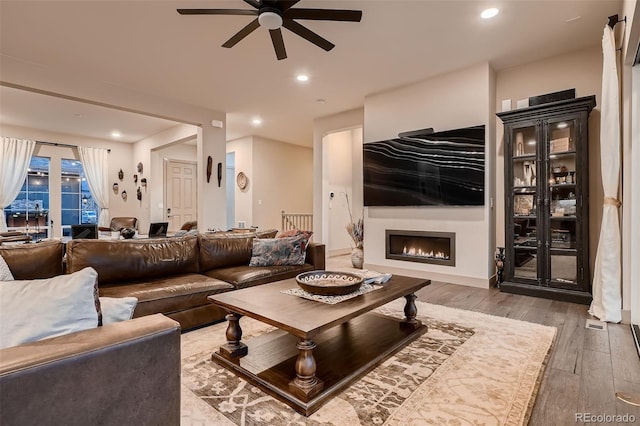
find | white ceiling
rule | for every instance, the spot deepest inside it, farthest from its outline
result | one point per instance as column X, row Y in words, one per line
column 147, row 47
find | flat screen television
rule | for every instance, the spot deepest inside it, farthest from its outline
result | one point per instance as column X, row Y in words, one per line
column 426, row 169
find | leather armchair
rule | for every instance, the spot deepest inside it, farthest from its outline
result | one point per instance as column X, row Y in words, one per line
column 118, row 374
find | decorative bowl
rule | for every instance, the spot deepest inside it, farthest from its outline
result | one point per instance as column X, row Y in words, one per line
column 328, row 283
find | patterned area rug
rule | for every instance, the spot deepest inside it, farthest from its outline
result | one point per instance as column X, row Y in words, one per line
column 469, row 368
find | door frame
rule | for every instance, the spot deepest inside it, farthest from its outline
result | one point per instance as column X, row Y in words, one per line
column 165, row 165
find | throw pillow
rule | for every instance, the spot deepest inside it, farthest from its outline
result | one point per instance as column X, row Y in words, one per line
column 278, row 251
column 5, row 272
column 33, row 310
column 116, row 309
column 294, row 233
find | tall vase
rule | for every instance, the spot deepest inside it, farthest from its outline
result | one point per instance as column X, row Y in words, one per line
column 357, row 257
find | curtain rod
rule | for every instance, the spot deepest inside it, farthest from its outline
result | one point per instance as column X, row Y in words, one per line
column 614, row 19
column 61, row 144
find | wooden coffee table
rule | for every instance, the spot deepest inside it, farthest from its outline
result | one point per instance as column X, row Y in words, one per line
column 318, row 349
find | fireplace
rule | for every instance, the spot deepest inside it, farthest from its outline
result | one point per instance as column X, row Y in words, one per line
column 421, row 246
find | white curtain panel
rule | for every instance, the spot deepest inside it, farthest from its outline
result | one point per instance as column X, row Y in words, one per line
column 607, row 299
column 15, row 156
column 95, row 162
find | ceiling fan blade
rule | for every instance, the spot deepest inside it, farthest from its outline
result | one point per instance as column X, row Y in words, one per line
column 248, row 29
column 285, row 5
column 217, row 12
column 278, row 44
column 324, row 14
column 307, row 34
column 253, row 3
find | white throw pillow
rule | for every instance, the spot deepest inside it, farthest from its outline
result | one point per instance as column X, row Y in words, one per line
column 116, row 309
column 5, row 272
column 37, row 309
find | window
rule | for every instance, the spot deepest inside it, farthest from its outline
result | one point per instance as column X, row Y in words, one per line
column 78, row 206
column 29, row 212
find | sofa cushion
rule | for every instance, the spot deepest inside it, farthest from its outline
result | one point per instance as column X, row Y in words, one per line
column 222, row 249
column 32, row 310
column 116, row 309
column 278, row 251
column 122, row 261
column 169, row 294
column 248, row 276
column 20, row 259
column 5, row 272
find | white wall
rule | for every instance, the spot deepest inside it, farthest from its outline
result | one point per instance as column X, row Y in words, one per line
column 454, row 100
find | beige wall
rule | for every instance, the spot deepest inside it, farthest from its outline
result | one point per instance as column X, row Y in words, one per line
column 283, row 180
column 280, row 177
column 581, row 70
column 454, row 100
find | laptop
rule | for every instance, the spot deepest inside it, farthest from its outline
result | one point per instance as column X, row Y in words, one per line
column 87, row 231
column 158, row 229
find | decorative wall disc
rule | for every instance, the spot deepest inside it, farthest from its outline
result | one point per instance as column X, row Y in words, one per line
column 241, row 180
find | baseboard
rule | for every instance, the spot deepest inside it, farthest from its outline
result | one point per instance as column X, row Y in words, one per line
column 338, row 252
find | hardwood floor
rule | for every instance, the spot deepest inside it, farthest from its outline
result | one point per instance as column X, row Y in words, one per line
column 586, row 367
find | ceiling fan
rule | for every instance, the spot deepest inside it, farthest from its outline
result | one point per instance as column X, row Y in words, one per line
column 274, row 14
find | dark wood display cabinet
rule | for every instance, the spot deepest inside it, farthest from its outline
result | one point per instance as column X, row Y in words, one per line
column 546, row 200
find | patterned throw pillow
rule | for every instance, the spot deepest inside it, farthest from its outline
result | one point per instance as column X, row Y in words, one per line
column 278, row 251
column 5, row 272
column 295, row 233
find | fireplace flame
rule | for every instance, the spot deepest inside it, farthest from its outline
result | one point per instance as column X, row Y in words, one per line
column 412, row 251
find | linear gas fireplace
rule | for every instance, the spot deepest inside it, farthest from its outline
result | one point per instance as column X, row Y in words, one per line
column 421, row 246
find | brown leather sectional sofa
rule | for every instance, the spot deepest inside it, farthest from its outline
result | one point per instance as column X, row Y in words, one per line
column 172, row 276
column 127, row 372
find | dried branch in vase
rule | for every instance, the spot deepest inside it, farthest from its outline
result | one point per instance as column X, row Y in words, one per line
column 354, row 229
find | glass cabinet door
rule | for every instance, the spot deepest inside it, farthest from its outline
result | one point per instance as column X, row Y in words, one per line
column 561, row 197
column 525, row 202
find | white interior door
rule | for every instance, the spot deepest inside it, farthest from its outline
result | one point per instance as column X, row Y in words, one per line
column 181, row 198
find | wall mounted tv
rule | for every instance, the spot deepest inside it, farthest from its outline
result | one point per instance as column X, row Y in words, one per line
column 426, row 169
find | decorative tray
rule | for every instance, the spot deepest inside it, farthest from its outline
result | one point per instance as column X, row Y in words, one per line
column 328, row 283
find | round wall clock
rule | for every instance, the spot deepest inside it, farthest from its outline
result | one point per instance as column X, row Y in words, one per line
column 241, row 180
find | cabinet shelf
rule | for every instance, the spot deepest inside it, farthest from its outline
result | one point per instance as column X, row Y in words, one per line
column 547, row 255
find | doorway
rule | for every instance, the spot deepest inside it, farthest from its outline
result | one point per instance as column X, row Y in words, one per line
column 342, row 188
column 181, row 192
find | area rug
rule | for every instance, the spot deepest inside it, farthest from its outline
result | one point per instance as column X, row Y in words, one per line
column 469, row 368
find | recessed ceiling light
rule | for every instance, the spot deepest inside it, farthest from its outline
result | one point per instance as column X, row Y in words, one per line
column 489, row 13
column 562, row 125
column 115, row 134
column 302, row 77
column 256, row 121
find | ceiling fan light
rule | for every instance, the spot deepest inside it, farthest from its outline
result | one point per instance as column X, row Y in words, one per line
column 270, row 20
